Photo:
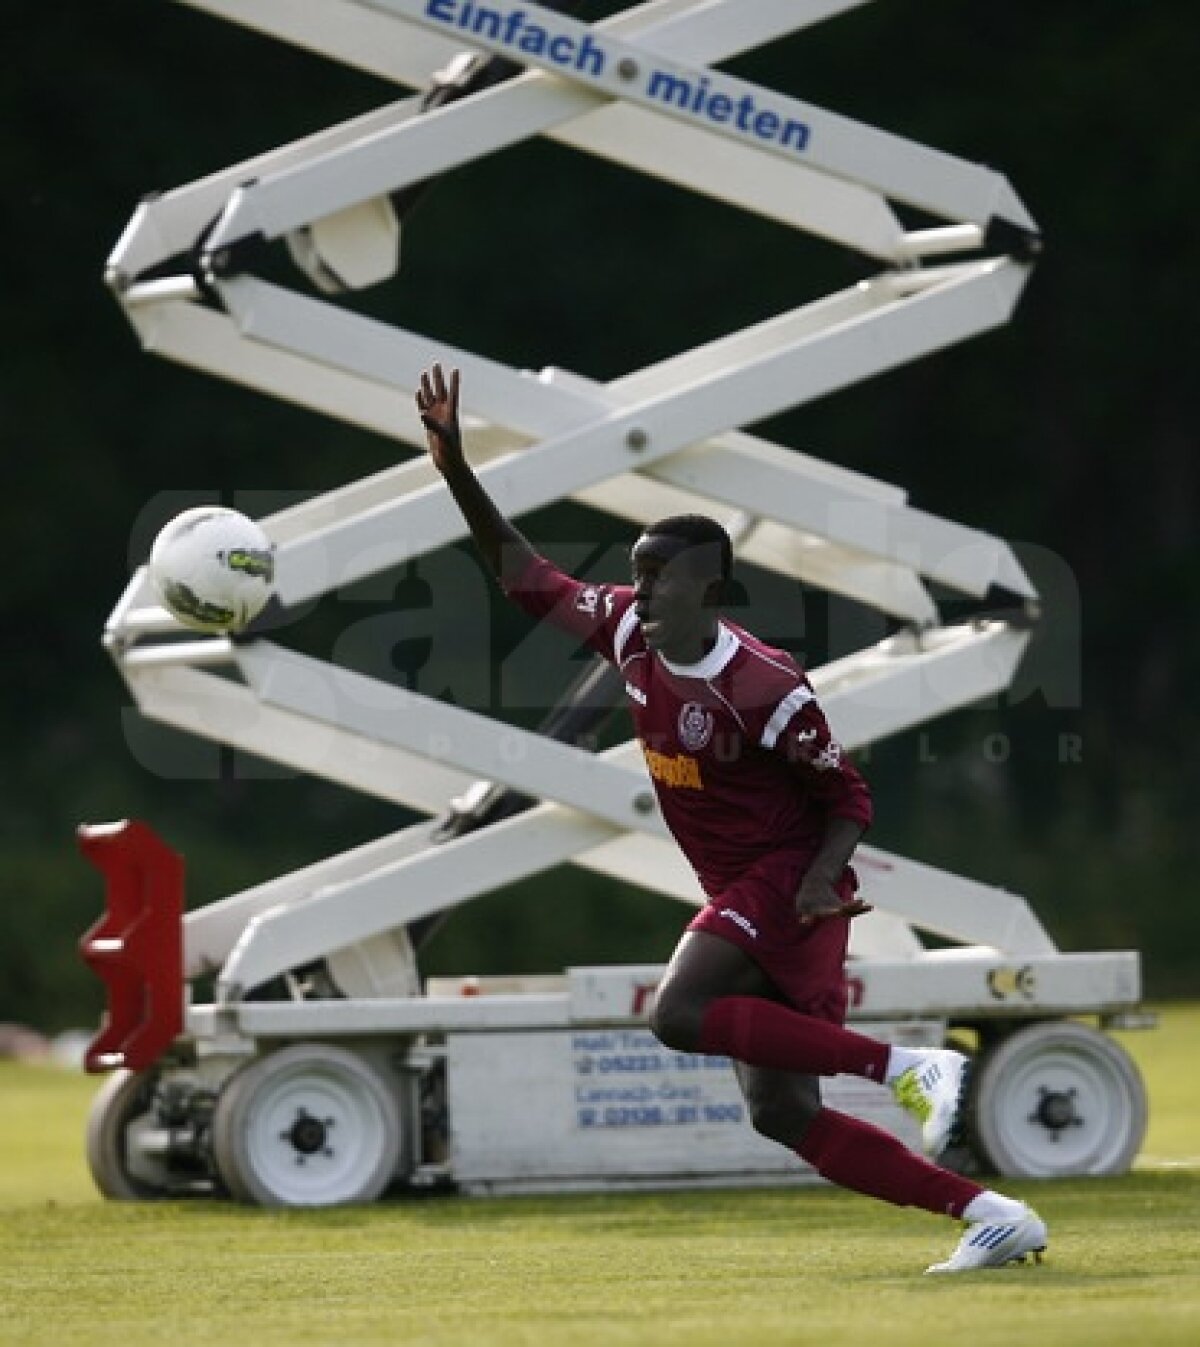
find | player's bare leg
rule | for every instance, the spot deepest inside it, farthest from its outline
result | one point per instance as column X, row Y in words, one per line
column 714, row 998
column 703, row 969
column 782, row 1104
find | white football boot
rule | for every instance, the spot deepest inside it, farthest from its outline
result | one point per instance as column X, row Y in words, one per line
column 987, row 1244
column 933, row 1091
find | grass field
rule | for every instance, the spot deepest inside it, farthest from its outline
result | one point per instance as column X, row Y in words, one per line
column 757, row 1268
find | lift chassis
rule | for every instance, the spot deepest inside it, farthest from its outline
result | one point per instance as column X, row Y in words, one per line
column 324, row 1069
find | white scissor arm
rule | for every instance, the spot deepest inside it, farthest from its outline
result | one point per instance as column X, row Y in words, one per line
column 585, row 441
column 896, row 168
column 868, row 696
column 899, row 169
column 641, row 90
column 593, row 804
column 171, row 224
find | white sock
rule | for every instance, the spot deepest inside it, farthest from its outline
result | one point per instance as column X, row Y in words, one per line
column 900, row 1060
column 992, row 1206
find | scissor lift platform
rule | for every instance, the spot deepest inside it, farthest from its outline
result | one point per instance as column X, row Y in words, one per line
column 324, row 1070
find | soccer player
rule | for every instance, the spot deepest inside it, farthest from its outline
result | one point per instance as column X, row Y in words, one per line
column 768, row 810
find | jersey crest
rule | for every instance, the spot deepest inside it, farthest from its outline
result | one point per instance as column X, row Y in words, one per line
column 695, row 726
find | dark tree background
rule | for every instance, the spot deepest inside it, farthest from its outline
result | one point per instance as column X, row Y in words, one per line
column 1070, row 432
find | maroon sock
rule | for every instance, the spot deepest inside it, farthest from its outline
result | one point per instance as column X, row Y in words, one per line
column 763, row 1033
column 855, row 1155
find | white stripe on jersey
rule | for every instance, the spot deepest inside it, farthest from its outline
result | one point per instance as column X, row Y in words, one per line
column 624, row 631
column 793, row 702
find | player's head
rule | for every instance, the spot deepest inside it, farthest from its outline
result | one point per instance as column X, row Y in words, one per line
column 681, row 568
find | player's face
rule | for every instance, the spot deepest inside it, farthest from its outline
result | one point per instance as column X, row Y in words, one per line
column 673, row 583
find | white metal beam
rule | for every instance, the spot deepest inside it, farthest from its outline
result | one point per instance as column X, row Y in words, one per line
column 910, row 679
column 169, row 224
column 522, row 759
column 951, row 905
column 784, row 362
column 632, row 69
column 218, row 709
column 742, row 174
column 436, row 879
column 867, row 696
column 208, row 340
column 211, row 931
column 214, row 707
column 419, row 885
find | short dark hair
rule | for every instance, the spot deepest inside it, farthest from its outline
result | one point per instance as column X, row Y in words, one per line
column 696, row 530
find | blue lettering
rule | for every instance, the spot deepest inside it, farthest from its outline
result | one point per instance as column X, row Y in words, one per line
column 700, row 95
column 514, row 21
column 731, row 1113
column 794, row 134
column 628, row 1064
column 533, row 40
column 633, row 1117
column 512, row 28
column 719, row 107
column 483, row 21
column 639, row 1038
column 593, row 1042
column 766, row 124
column 670, row 89
column 591, row 55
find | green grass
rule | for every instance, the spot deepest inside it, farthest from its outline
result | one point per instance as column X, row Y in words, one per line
column 758, row 1268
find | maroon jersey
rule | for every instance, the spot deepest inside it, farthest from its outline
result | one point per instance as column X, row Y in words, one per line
column 740, row 753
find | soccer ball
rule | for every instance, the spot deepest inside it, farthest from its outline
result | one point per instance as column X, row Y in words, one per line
column 213, row 568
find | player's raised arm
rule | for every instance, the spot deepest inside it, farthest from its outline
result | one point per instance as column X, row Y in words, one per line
column 503, row 547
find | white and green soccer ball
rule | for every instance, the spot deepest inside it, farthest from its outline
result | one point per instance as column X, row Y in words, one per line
column 213, row 569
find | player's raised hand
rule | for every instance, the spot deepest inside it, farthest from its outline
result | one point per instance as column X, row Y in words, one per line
column 437, row 406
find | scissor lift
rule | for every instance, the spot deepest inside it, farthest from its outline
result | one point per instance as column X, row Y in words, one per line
column 324, row 1070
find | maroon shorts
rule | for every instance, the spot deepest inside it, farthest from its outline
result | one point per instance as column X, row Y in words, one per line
column 806, row 962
